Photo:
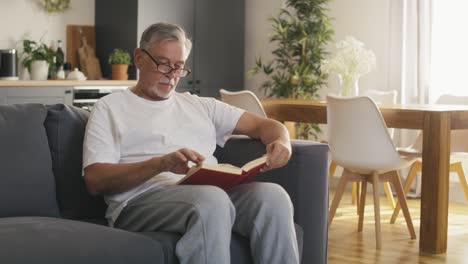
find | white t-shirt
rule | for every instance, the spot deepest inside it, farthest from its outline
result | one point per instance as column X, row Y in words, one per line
column 124, row 128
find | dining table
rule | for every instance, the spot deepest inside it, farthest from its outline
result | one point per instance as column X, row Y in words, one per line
column 436, row 122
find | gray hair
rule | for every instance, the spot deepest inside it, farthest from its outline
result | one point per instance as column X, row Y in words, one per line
column 164, row 31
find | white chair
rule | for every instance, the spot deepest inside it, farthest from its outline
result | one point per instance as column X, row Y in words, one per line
column 383, row 97
column 245, row 99
column 458, row 148
column 380, row 97
column 360, row 143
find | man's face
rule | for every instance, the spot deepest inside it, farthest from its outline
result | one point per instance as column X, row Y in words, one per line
column 156, row 85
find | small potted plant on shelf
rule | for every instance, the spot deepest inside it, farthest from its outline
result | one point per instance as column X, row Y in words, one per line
column 38, row 59
column 119, row 60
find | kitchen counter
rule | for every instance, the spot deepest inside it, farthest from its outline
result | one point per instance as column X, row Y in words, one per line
column 55, row 83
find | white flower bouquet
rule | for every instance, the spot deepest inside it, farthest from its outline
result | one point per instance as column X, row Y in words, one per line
column 351, row 61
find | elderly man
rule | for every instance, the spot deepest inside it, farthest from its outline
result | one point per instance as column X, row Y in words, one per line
column 141, row 141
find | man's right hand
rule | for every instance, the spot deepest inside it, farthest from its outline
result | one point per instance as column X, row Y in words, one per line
column 177, row 161
column 110, row 178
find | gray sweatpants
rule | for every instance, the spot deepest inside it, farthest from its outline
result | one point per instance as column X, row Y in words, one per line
column 206, row 216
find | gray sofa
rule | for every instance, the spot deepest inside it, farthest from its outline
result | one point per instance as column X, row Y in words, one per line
column 47, row 216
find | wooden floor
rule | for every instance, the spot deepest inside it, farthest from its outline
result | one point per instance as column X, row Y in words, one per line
column 348, row 246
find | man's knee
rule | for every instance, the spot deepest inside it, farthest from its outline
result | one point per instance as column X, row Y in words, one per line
column 271, row 196
column 211, row 201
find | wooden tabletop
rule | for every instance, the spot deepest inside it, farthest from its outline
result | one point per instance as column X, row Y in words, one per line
column 409, row 116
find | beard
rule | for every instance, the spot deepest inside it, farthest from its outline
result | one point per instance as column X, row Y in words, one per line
column 161, row 92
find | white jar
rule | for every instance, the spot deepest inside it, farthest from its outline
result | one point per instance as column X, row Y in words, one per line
column 76, row 75
column 61, row 73
column 39, row 70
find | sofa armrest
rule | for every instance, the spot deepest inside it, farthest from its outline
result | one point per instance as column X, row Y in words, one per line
column 305, row 178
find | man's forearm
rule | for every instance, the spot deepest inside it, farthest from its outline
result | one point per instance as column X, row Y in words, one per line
column 108, row 178
column 273, row 130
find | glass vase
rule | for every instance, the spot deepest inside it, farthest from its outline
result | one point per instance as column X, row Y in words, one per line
column 349, row 86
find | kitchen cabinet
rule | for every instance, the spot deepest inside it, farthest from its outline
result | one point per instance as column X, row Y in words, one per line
column 70, row 92
column 41, row 95
column 216, row 28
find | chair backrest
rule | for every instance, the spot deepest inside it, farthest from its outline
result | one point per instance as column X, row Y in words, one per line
column 449, row 99
column 358, row 136
column 245, row 99
column 383, row 97
column 458, row 138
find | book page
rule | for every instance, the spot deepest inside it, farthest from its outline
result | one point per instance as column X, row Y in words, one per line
column 228, row 168
column 254, row 163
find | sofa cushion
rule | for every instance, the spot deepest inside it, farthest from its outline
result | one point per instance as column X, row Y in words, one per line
column 53, row 240
column 65, row 126
column 168, row 242
column 27, row 185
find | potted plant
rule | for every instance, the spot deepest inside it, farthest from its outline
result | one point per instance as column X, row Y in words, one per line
column 119, row 60
column 301, row 32
column 38, row 59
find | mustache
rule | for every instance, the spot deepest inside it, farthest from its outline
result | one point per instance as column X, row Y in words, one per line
column 166, row 81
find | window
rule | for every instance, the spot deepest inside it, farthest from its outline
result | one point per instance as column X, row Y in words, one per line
column 449, row 49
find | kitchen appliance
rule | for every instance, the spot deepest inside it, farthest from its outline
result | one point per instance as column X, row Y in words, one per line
column 8, row 64
column 85, row 96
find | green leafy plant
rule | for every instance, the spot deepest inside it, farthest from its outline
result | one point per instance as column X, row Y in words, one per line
column 301, row 32
column 119, row 56
column 55, row 6
column 33, row 51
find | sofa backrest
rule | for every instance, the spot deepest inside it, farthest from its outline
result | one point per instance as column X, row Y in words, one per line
column 65, row 126
column 27, row 186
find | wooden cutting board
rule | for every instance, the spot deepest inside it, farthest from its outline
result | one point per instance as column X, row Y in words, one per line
column 89, row 64
column 75, row 35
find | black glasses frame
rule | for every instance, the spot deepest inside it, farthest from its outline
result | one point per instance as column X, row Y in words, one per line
column 184, row 72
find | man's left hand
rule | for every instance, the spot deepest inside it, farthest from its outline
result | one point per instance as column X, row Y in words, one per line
column 278, row 154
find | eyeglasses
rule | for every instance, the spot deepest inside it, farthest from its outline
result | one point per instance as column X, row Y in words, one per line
column 166, row 69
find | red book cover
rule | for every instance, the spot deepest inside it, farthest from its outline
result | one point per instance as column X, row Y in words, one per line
column 224, row 176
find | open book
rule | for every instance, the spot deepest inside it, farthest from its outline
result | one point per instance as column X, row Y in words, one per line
column 224, row 176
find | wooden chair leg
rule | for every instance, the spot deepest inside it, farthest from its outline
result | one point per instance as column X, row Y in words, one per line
column 409, row 181
column 331, row 170
column 388, row 192
column 362, row 204
column 461, row 176
column 358, row 194
column 355, row 194
column 338, row 194
column 402, row 200
column 378, row 235
column 354, row 191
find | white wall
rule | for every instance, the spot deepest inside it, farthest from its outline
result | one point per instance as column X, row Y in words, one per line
column 257, row 30
column 21, row 19
column 367, row 20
